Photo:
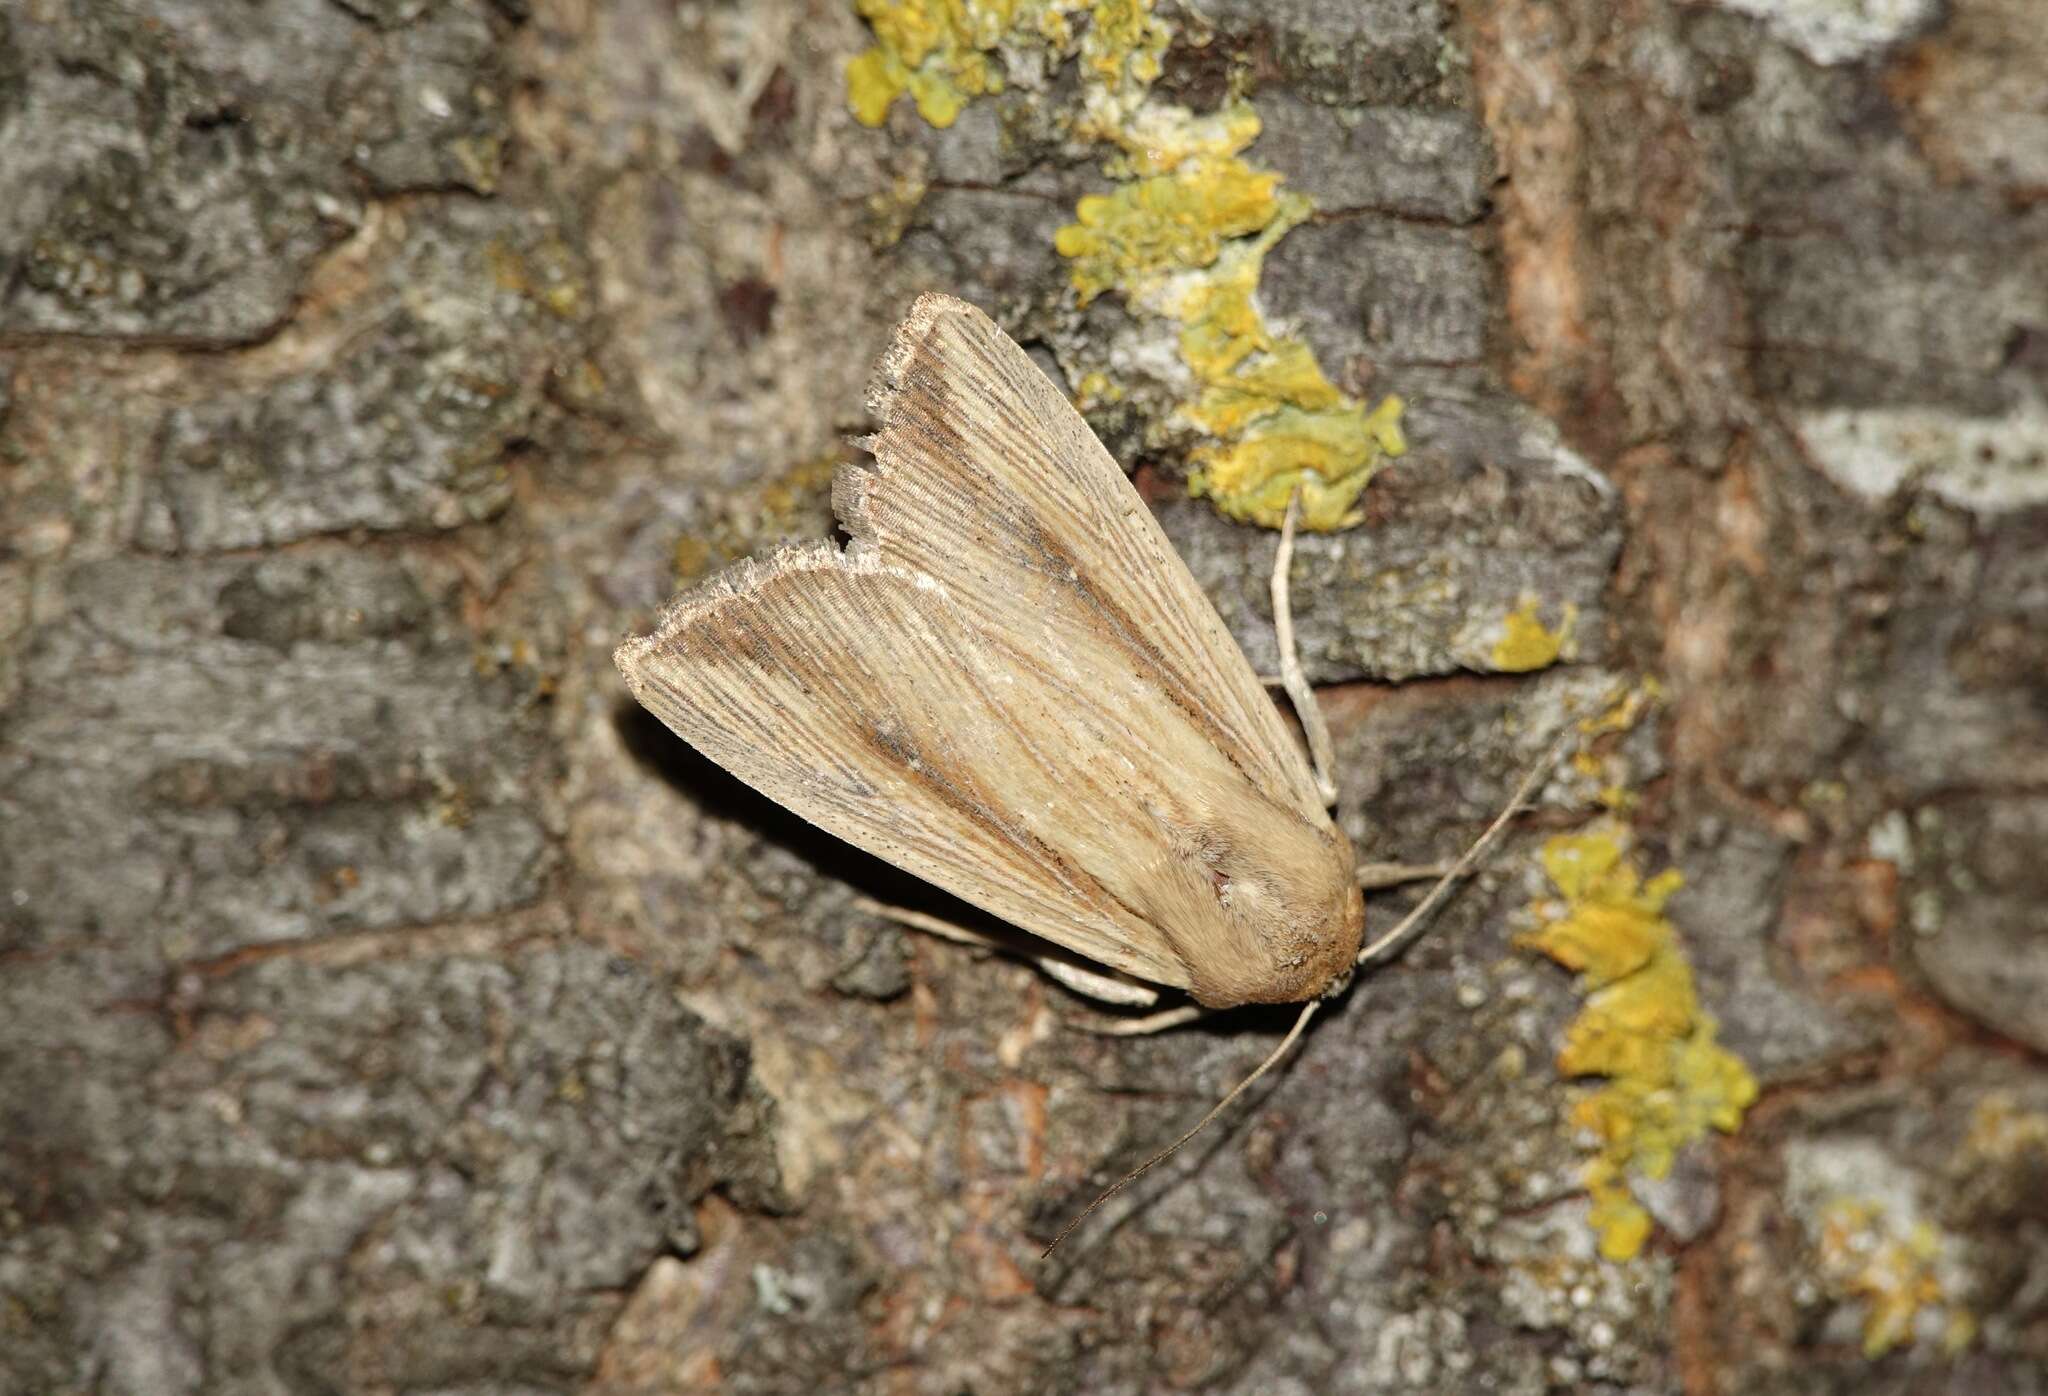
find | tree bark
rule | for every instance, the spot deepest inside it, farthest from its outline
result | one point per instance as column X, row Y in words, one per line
column 387, row 1004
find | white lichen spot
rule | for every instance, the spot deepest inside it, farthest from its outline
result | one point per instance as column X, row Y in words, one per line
column 1419, row 1349
column 771, row 1292
column 1923, row 912
column 1990, row 465
column 1892, row 840
column 1352, row 1236
column 1840, row 31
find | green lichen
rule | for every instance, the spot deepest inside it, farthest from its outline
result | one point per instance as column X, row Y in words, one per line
column 1182, row 238
column 1667, row 1081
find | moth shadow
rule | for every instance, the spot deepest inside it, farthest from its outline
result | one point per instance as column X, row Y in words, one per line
column 720, row 794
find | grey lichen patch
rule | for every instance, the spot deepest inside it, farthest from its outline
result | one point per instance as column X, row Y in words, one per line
column 424, row 107
column 1423, row 768
column 1918, row 1211
column 1974, row 894
column 1433, row 164
column 1915, row 1210
column 1487, row 512
column 1952, row 693
column 441, row 1172
column 175, row 178
column 442, row 366
column 1876, row 1250
column 1383, row 292
column 1552, row 1280
column 278, row 750
column 1870, row 284
column 991, row 247
column 1500, row 1168
column 1349, row 51
column 1728, row 913
column 1972, row 99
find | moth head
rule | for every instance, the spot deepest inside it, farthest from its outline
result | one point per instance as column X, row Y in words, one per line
column 1287, row 913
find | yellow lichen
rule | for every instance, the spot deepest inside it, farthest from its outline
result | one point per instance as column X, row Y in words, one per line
column 1157, row 137
column 1189, row 245
column 1167, row 223
column 1617, row 798
column 891, row 210
column 546, row 274
column 1526, row 643
column 1124, row 44
column 519, row 658
column 1610, row 771
column 1626, row 709
column 1096, row 389
column 2001, row 1132
column 1278, row 424
column 1642, row 1028
column 1182, row 238
column 452, row 805
column 943, row 53
column 1864, row 1254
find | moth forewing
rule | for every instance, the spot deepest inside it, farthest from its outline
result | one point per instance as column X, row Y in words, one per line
column 1009, row 685
column 838, row 687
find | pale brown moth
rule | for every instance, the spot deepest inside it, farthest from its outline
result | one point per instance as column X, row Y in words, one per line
column 1009, row 684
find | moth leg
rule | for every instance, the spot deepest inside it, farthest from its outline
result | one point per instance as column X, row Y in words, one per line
column 1104, row 988
column 1094, row 984
column 1149, row 1024
column 1374, row 877
column 1321, row 753
column 1393, row 940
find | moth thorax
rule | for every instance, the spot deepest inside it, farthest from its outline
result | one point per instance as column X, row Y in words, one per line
column 1294, row 904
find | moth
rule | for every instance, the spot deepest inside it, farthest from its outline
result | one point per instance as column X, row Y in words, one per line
column 1009, row 684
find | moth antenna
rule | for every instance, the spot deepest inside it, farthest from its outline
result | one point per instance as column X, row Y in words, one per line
column 1537, row 774
column 1322, row 754
column 1293, row 1034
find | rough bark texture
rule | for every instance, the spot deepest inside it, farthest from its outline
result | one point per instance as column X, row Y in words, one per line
column 386, row 1005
